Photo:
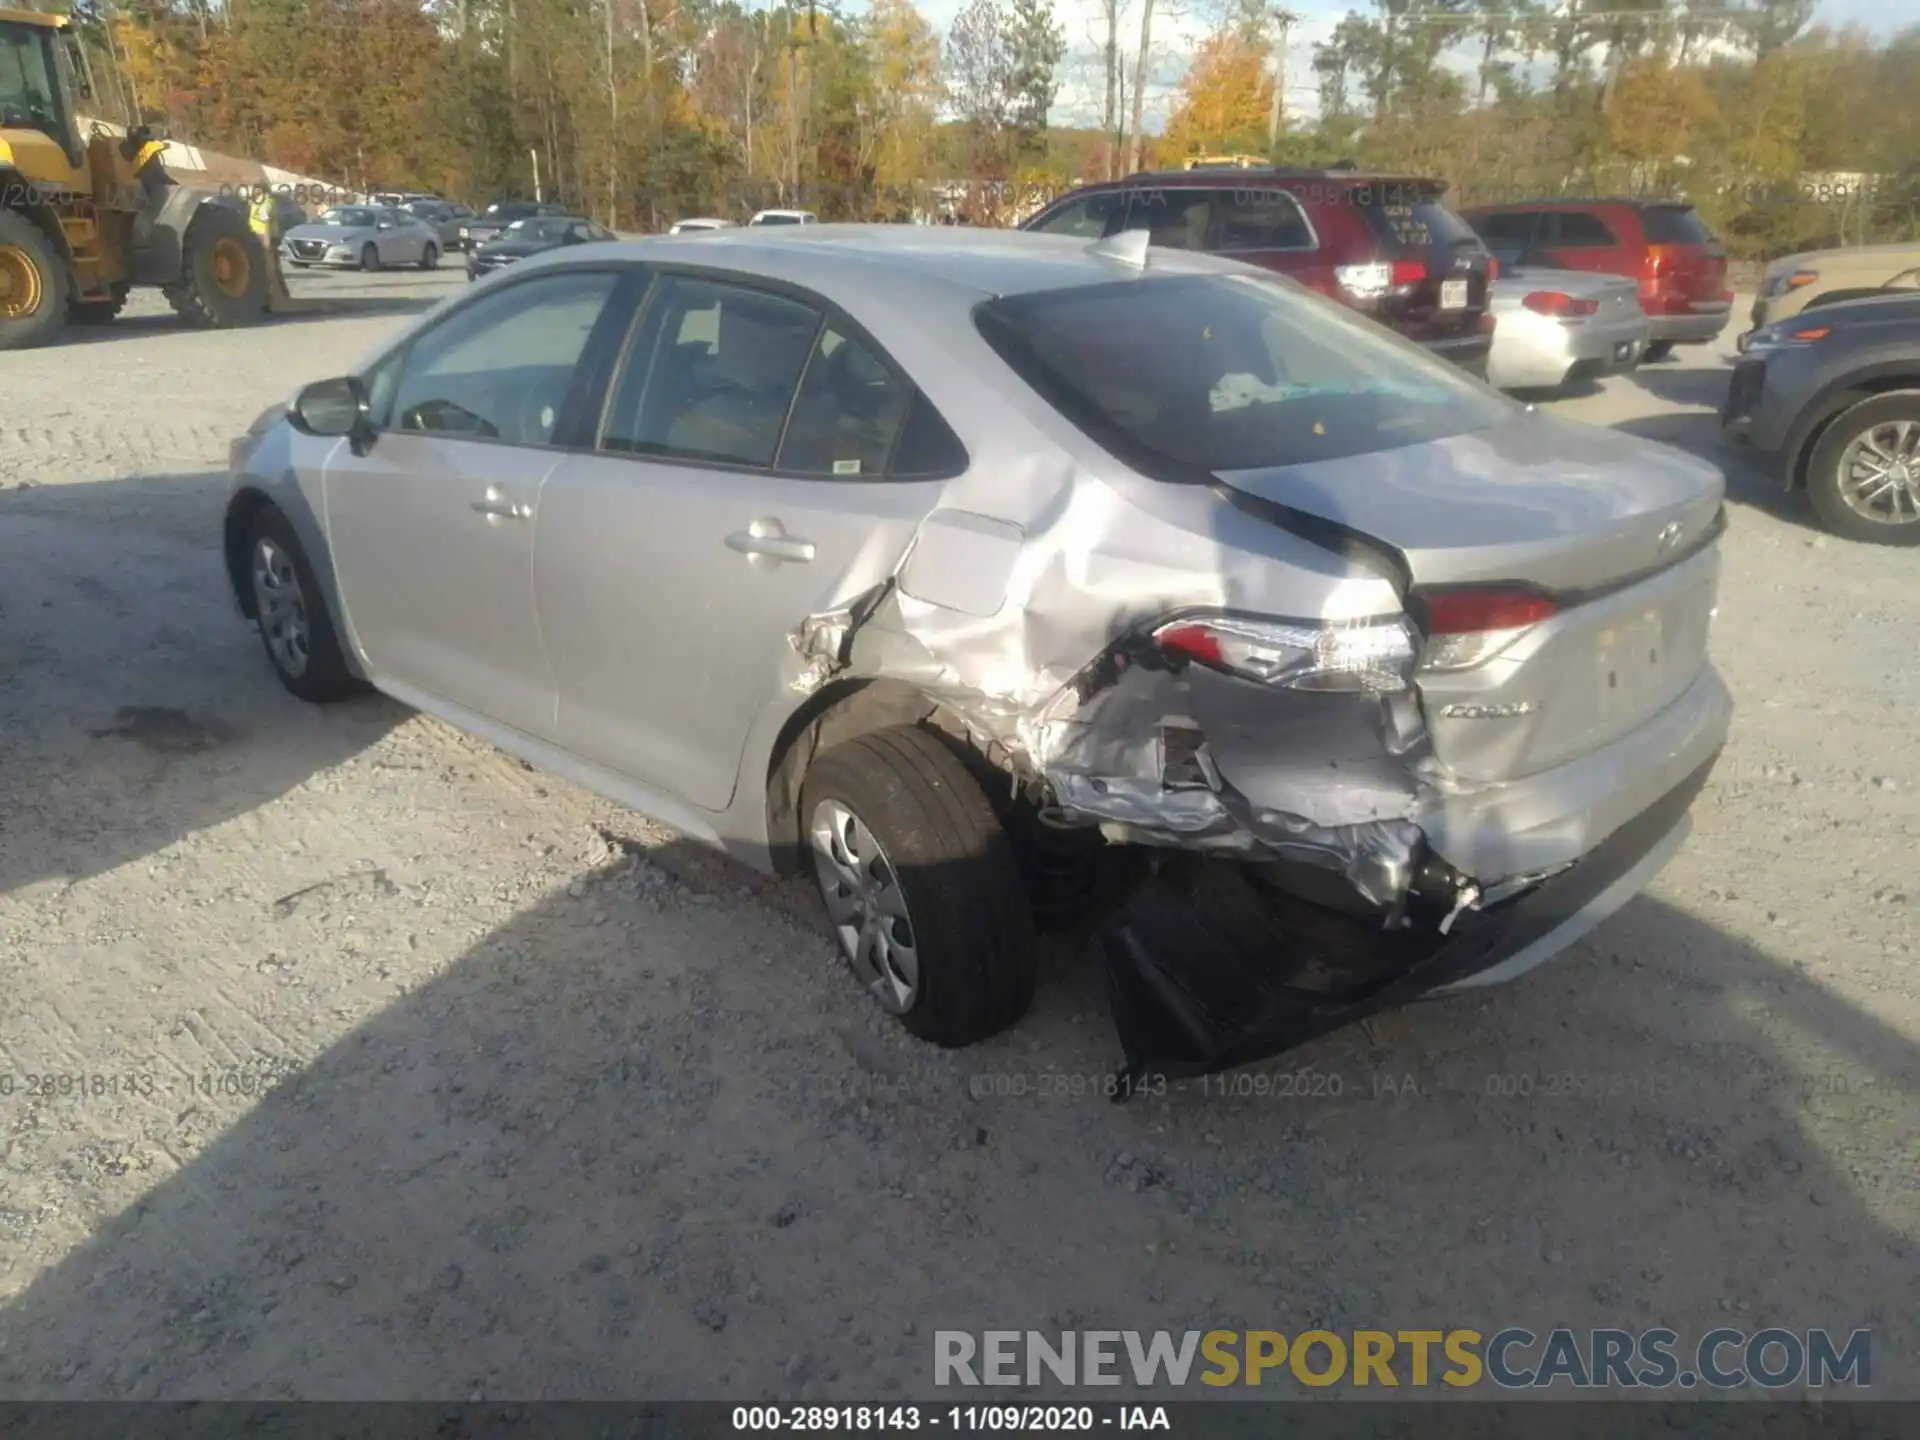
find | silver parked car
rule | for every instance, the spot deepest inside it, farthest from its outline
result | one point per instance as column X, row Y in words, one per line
column 982, row 574
column 363, row 237
column 1552, row 327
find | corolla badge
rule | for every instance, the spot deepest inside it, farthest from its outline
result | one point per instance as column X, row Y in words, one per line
column 1670, row 534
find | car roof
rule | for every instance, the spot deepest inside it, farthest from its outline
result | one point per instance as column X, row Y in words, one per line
column 841, row 258
column 1578, row 202
column 1219, row 177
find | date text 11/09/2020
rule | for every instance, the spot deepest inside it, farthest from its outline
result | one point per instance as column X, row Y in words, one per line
column 893, row 1419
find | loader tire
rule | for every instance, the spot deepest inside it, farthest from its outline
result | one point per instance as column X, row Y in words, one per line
column 224, row 284
column 34, row 285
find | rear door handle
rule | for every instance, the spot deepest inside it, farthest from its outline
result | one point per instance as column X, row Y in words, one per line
column 767, row 539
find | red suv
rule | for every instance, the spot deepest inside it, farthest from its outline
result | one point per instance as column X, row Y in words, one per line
column 1663, row 244
column 1385, row 245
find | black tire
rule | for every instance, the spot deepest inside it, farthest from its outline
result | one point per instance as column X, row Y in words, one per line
column 325, row 677
column 1823, row 472
column 971, row 923
column 99, row 312
column 1656, row 351
column 223, row 284
column 43, row 270
column 430, row 257
column 369, row 257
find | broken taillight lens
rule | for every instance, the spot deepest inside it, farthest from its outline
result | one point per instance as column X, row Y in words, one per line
column 1469, row 627
column 1369, row 656
column 1559, row 304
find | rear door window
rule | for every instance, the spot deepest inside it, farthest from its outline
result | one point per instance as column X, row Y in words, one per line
column 847, row 414
column 1242, row 373
column 1674, row 225
column 1262, row 220
column 711, row 375
column 1577, row 230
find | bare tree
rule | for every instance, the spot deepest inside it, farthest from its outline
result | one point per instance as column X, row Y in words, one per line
column 1140, row 84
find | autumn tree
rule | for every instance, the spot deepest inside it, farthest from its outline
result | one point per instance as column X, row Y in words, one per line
column 1224, row 98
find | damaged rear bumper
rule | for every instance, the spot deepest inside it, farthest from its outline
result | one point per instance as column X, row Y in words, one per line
column 1195, row 990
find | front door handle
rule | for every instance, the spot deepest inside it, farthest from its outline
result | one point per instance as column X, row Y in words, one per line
column 767, row 540
column 497, row 506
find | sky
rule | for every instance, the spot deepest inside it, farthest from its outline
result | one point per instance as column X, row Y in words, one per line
column 1179, row 25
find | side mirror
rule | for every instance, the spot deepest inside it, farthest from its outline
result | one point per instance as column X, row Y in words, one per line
column 334, row 408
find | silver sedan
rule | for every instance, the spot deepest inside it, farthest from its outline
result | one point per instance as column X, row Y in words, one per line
column 363, row 237
column 965, row 571
column 1555, row 326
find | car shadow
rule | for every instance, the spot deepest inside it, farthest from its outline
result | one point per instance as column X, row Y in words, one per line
column 666, row 1154
column 136, row 706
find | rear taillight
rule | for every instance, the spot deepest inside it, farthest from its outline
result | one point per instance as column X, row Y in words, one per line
column 1801, row 278
column 1372, row 656
column 1493, row 269
column 1378, row 278
column 1469, row 627
column 1559, row 304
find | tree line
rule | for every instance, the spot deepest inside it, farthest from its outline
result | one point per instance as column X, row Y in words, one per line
column 642, row 111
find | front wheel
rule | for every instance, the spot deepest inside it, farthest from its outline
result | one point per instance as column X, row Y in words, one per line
column 34, row 285
column 430, row 258
column 292, row 614
column 921, row 885
column 1863, row 477
column 224, row 276
column 370, row 256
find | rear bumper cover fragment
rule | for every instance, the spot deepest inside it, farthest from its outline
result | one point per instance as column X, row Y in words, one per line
column 1195, row 990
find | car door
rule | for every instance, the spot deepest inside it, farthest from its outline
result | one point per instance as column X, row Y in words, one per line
column 432, row 526
column 745, row 478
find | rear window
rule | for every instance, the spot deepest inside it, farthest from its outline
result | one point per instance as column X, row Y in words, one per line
column 1215, row 372
column 1408, row 217
column 1674, row 225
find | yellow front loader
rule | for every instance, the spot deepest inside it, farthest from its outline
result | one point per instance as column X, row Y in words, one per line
column 84, row 220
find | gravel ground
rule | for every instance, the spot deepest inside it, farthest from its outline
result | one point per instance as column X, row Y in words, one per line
column 399, row 1070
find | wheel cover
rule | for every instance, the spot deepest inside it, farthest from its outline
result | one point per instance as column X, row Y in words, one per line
column 1880, row 473
column 232, row 267
column 866, row 905
column 21, row 288
column 282, row 608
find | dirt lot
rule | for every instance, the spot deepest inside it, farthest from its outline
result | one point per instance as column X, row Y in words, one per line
column 399, row 1070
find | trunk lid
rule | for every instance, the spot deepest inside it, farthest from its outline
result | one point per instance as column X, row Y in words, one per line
column 1615, row 531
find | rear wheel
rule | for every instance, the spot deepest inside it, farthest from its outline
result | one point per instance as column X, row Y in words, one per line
column 921, row 885
column 33, row 284
column 370, row 256
column 292, row 613
column 1863, row 477
column 1656, row 351
column 430, row 257
column 223, row 284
